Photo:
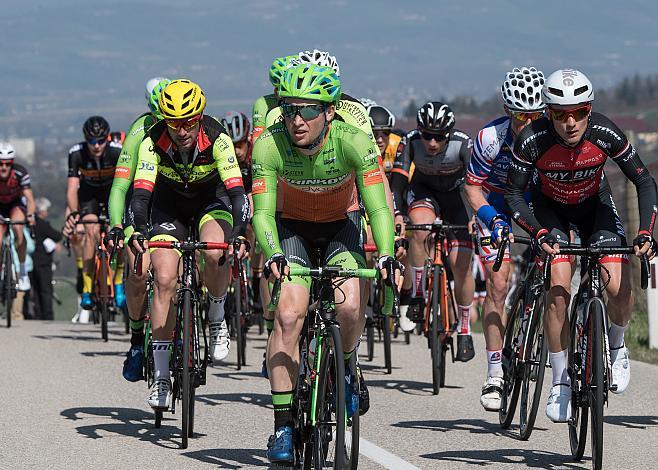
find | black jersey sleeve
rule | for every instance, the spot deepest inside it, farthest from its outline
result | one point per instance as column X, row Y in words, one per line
column 75, row 160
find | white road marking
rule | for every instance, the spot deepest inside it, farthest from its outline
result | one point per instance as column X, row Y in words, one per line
column 383, row 457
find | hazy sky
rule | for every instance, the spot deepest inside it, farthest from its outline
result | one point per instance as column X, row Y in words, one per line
column 63, row 60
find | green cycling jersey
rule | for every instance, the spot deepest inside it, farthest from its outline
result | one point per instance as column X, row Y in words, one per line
column 262, row 106
column 319, row 188
column 126, row 165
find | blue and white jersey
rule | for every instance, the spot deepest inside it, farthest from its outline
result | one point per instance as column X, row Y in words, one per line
column 490, row 161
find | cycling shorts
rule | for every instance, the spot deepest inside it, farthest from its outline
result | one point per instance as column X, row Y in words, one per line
column 449, row 206
column 5, row 209
column 340, row 243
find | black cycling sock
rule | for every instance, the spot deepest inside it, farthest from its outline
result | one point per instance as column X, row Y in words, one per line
column 269, row 325
column 137, row 332
column 282, row 402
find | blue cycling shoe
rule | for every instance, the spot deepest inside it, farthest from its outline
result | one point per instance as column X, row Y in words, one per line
column 351, row 392
column 85, row 301
column 133, row 366
column 119, row 296
column 263, row 369
column 280, row 446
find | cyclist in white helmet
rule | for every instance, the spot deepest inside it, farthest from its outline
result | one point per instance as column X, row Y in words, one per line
column 485, row 187
column 17, row 204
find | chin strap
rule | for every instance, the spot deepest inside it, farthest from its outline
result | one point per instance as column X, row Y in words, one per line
column 318, row 140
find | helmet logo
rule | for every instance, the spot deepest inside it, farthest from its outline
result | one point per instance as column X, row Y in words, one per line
column 567, row 77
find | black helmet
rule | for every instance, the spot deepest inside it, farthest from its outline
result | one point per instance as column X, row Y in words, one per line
column 381, row 117
column 96, row 127
column 436, row 117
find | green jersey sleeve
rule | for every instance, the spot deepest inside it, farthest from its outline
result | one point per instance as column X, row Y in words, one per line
column 259, row 113
column 125, row 169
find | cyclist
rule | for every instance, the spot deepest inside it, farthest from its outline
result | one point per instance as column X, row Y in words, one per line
column 382, row 121
column 485, row 187
column 17, row 204
column 316, row 161
column 440, row 154
column 91, row 171
column 186, row 171
column 120, row 195
column 567, row 150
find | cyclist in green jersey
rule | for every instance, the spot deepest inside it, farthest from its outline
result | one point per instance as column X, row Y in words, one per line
column 306, row 173
column 122, row 229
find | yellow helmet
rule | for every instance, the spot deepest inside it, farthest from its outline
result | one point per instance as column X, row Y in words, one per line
column 181, row 99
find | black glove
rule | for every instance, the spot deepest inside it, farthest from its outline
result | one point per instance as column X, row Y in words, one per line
column 643, row 238
column 279, row 259
column 115, row 235
column 390, row 264
column 239, row 241
column 546, row 237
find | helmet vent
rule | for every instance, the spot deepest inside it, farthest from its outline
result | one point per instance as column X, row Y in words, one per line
column 556, row 91
column 580, row 91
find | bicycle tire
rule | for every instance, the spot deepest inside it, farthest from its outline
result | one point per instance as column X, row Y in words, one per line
column 353, row 429
column 511, row 383
column 388, row 362
column 597, row 392
column 237, row 320
column 578, row 423
column 533, row 371
column 7, row 285
column 435, row 341
column 103, row 295
column 330, row 406
column 186, row 386
column 443, row 343
column 370, row 339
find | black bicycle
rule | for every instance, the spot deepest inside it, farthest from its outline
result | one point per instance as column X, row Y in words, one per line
column 589, row 363
column 525, row 350
column 189, row 357
column 8, row 276
column 324, row 436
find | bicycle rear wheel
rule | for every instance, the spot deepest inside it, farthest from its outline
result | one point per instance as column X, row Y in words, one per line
column 330, row 417
column 511, row 368
column 533, row 370
column 352, row 432
column 238, row 324
column 579, row 404
column 8, row 286
column 187, row 390
column 597, row 384
column 103, row 308
column 386, row 327
column 436, row 346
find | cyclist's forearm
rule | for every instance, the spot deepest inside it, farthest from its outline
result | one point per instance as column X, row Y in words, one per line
column 117, row 200
column 239, row 210
column 72, row 194
column 474, row 196
column 267, row 236
column 29, row 197
column 139, row 207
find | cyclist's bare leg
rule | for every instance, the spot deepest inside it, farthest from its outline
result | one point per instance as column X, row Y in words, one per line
column 494, row 306
column 165, row 271
column 349, row 312
column 557, row 301
column 460, row 263
column 215, row 277
column 620, row 297
column 136, row 286
column 283, row 344
column 417, row 252
column 17, row 215
column 89, row 243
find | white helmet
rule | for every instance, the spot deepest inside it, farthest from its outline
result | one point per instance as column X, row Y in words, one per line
column 318, row 57
column 367, row 102
column 380, row 117
column 567, row 87
column 521, row 89
column 7, row 151
column 150, row 85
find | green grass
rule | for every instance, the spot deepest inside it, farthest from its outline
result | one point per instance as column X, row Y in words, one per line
column 637, row 338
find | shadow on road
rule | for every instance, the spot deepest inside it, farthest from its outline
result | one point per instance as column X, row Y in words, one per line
column 129, row 422
column 496, row 457
column 373, row 368
column 237, row 375
column 103, row 353
column 632, row 422
column 87, row 335
column 258, row 399
column 230, row 458
column 473, row 426
column 410, row 387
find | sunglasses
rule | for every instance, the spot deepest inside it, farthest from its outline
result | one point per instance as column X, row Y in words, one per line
column 186, row 124
column 578, row 114
column 429, row 136
column 307, row 112
column 97, row 140
column 6, row 163
column 523, row 116
column 381, row 132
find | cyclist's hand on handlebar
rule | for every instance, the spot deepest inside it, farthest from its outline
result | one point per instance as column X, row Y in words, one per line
column 497, row 232
column 401, row 247
column 276, row 266
column 138, row 243
column 399, row 221
column 115, row 238
column 390, row 268
column 471, row 226
column 548, row 242
column 644, row 245
column 31, row 220
column 69, row 224
column 240, row 245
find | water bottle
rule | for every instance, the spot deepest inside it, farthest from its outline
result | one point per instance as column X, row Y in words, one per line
column 311, row 353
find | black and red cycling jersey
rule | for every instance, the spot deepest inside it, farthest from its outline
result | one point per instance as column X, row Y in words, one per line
column 11, row 189
column 572, row 175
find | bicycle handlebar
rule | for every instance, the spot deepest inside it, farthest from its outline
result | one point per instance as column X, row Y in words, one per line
column 177, row 245
column 435, row 227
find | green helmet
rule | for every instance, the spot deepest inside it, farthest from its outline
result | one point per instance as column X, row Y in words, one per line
column 279, row 66
column 310, row 82
column 154, row 97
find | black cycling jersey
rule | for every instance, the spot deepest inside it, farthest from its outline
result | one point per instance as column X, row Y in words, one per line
column 94, row 174
column 571, row 176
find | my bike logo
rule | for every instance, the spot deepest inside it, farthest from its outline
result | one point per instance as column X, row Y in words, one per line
column 567, row 76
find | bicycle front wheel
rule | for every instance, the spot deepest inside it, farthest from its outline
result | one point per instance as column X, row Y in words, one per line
column 102, row 306
column 187, row 390
column 597, row 384
column 511, row 377
column 579, row 404
column 8, row 286
column 386, row 326
column 533, row 370
column 436, row 346
column 330, row 415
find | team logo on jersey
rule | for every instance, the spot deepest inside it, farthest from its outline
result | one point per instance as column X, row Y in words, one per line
column 258, row 186
column 372, row 177
column 168, row 226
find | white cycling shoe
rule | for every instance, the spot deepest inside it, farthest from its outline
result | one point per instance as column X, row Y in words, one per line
column 23, row 284
column 406, row 324
column 558, row 408
column 160, row 395
column 219, row 340
column 621, row 369
column 491, row 393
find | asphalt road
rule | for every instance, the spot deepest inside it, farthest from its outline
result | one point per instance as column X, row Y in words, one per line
column 65, row 405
